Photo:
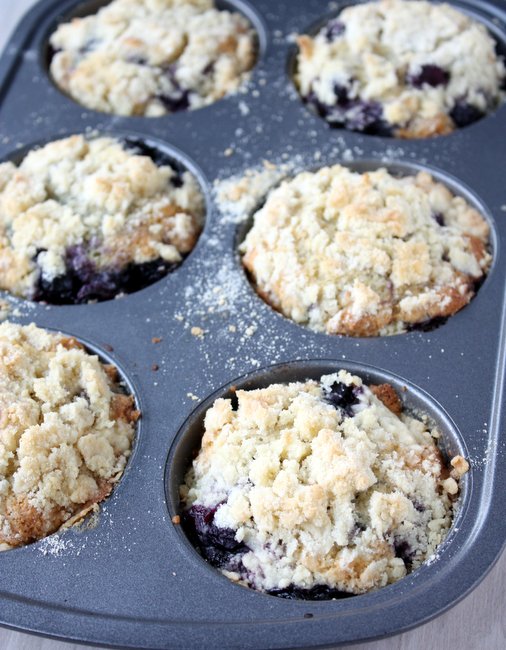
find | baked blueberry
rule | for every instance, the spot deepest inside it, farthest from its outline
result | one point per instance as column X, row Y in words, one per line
column 404, row 551
column 333, row 30
column 343, row 396
column 439, row 218
column 138, row 60
column 464, row 114
column 363, row 116
column 320, row 592
column 217, row 545
column 429, row 74
column 88, row 46
column 177, row 100
column 341, row 94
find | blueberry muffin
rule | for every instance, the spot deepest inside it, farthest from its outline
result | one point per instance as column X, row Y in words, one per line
column 87, row 220
column 407, row 69
column 152, row 57
column 66, row 432
column 318, row 489
column 366, row 254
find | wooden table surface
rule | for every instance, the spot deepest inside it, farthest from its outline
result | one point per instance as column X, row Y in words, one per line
column 477, row 622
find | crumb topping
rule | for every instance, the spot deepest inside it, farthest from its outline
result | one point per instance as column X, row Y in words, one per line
column 418, row 68
column 153, row 57
column 66, row 432
column 363, row 254
column 78, row 207
column 317, row 484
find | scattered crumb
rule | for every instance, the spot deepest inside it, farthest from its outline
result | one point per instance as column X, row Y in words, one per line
column 5, row 309
column 228, row 152
column 156, row 339
column 193, row 397
column 460, row 465
column 155, row 367
column 244, row 108
column 198, row 332
column 176, row 519
column 232, row 328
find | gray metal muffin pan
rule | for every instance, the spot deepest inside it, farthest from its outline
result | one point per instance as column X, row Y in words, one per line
column 132, row 579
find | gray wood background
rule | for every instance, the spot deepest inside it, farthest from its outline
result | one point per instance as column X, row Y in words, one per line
column 477, row 622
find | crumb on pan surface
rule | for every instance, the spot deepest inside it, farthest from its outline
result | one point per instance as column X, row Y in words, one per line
column 66, row 432
column 317, row 489
column 366, row 254
column 153, row 57
column 86, row 219
column 408, row 69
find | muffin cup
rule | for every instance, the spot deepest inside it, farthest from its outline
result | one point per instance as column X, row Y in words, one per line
column 487, row 14
column 415, row 402
column 71, row 10
column 398, row 169
column 162, row 154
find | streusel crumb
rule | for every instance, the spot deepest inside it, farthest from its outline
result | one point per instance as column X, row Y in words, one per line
column 66, row 432
column 366, row 254
column 316, row 489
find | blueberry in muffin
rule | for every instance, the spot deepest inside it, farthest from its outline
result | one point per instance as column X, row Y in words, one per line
column 67, row 428
column 366, row 254
column 88, row 219
column 410, row 69
column 318, row 490
column 152, row 57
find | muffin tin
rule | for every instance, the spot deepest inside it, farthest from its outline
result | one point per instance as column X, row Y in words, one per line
column 129, row 577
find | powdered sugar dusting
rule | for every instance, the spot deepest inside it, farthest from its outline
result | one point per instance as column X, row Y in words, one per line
column 55, row 545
